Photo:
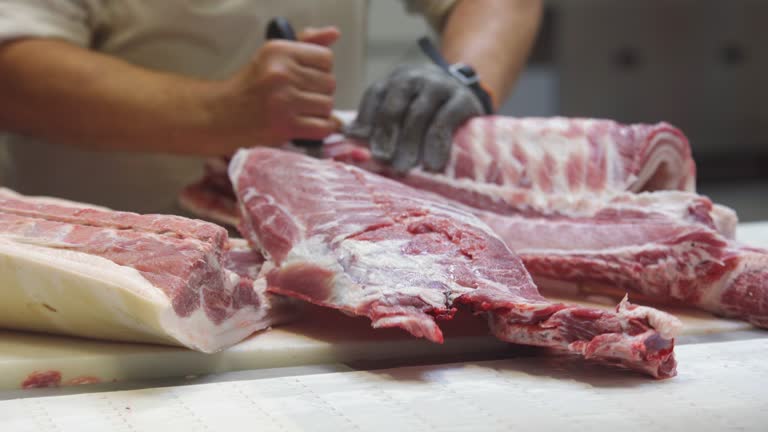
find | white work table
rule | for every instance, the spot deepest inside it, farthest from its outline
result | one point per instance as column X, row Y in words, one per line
column 720, row 386
column 722, row 382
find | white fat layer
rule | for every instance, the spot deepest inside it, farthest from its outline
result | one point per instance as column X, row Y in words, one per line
column 346, row 117
column 70, row 292
column 198, row 332
column 252, row 192
column 238, row 244
column 236, row 166
column 725, row 220
column 712, row 298
column 83, row 264
column 667, row 325
column 376, row 261
column 663, row 155
column 375, row 265
column 126, row 305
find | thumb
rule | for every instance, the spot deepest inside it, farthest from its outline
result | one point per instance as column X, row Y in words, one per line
column 324, row 36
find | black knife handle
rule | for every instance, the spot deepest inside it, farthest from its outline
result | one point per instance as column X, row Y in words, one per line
column 280, row 28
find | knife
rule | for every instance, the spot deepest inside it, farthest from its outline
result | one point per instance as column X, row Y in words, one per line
column 281, row 28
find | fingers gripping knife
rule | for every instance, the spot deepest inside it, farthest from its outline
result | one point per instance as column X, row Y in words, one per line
column 280, row 28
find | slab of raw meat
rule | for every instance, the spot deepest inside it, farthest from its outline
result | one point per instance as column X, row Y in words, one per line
column 572, row 155
column 506, row 200
column 534, row 157
column 86, row 271
column 648, row 251
column 662, row 246
column 666, row 246
column 344, row 238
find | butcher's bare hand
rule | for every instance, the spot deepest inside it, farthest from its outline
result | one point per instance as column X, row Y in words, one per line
column 286, row 92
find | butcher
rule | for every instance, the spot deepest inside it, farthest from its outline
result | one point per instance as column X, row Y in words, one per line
column 117, row 103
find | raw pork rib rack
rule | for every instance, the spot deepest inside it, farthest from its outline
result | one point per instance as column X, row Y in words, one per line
column 69, row 268
column 341, row 237
column 572, row 156
column 561, row 197
column 531, row 158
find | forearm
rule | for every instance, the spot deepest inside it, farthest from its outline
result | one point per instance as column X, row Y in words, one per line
column 494, row 37
column 63, row 93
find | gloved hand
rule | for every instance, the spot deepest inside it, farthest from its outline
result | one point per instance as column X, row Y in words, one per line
column 409, row 117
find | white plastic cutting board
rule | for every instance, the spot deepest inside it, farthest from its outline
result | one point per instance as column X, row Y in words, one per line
column 720, row 387
column 323, row 336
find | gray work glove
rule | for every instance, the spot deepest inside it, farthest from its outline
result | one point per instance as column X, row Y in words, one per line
column 409, row 117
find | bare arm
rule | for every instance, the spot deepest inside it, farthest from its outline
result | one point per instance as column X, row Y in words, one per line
column 63, row 93
column 494, row 37
column 60, row 92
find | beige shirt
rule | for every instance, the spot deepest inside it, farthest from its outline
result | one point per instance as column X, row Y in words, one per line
column 200, row 38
